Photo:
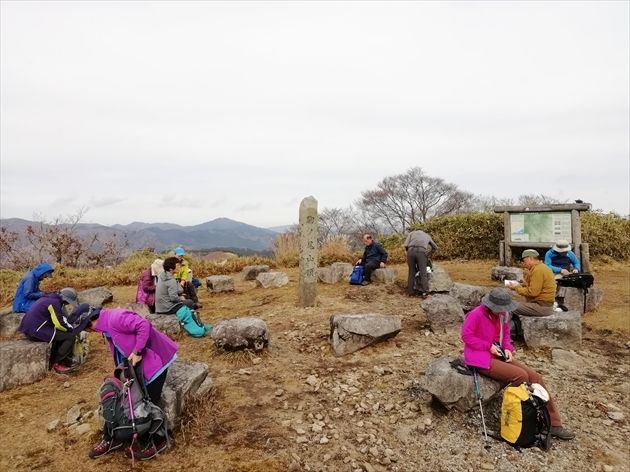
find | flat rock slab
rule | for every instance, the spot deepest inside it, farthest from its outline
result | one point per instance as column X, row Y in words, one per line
column 443, row 311
column 455, row 390
column 469, row 296
column 182, row 384
column 241, row 333
column 502, row 273
column 96, row 296
column 251, row 272
column 574, row 298
column 167, row 324
column 349, row 333
column 439, row 280
column 335, row 273
column 22, row 362
column 272, row 279
column 220, row 283
column 9, row 324
column 387, row 276
column 560, row 329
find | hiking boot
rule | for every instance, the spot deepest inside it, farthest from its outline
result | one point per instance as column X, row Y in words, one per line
column 563, row 307
column 561, row 432
column 161, row 445
column 366, row 282
column 60, row 368
column 144, row 453
column 104, row 447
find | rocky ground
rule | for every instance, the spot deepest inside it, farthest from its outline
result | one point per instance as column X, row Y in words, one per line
column 297, row 407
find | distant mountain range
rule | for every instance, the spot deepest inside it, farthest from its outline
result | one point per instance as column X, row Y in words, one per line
column 218, row 233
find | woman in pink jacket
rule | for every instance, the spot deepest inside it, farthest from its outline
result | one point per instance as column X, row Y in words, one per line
column 485, row 330
column 132, row 337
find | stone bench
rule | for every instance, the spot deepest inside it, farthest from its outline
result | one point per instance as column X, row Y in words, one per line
column 502, row 273
column 387, row 276
column 251, row 272
column 9, row 323
column 439, row 280
column 241, row 333
column 443, row 312
column 349, row 333
column 98, row 296
column 560, row 329
column 574, row 298
column 167, row 324
column 220, row 283
column 455, row 390
column 22, row 362
column 335, row 273
column 184, row 381
column 272, row 279
column 469, row 296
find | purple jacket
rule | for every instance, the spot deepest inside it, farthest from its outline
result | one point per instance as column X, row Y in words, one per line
column 145, row 293
column 37, row 322
column 479, row 331
column 129, row 332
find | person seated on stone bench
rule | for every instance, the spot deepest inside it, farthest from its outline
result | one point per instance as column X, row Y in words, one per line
column 184, row 276
column 168, row 293
column 484, row 331
column 562, row 261
column 539, row 287
column 48, row 321
column 374, row 257
column 28, row 291
column 132, row 337
column 145, row 293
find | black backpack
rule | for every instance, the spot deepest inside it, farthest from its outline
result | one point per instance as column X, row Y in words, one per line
column 126, row 408
column 584, row 280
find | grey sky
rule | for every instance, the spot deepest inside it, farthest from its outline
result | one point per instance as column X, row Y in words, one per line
column 185, row 112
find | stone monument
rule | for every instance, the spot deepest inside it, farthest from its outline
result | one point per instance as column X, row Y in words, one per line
column 308, row 252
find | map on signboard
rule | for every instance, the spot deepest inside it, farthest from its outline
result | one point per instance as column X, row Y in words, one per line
column 544, row 227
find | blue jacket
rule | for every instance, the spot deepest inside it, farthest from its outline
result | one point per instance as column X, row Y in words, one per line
column 374, row 252
column 551, row 258
column 28, row 291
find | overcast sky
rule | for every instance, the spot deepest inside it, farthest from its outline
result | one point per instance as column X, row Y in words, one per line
column 185, row 112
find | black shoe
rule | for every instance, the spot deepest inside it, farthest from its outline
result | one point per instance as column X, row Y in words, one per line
column 104, row 447
column 563, row 307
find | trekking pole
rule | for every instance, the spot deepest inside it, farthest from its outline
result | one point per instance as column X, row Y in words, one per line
column 478, row 395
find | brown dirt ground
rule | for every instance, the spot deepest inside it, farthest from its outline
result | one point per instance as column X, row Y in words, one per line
column 243, row 426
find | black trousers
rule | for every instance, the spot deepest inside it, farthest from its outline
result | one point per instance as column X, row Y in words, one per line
column 417, row 261
column 61, row 349
column 368, row 268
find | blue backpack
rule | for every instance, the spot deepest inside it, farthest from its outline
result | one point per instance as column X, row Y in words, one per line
column 356, row 278
column 191, row 323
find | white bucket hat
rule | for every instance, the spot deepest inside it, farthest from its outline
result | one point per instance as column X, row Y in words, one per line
column 562, row 245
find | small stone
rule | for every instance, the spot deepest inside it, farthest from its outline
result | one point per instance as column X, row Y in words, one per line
column 66, row 384
column 53, row 425
column 487, row 466
column 73, row 414
column 374, row 451
column 608, row 468
column 257, row 360
column 316, row 428
column 427, row 421
column 279, row 392
column 245, row 372
column 294, row 467
column 616, row 416
column 379, row 370
column 83, row 428
column 301, row 439
column 311, row 380
column 324, row 440
column 368, row 467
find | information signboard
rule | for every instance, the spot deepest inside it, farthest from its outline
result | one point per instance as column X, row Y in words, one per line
column 543, row 227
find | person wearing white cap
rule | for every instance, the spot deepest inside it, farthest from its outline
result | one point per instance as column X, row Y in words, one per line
column 562, row 261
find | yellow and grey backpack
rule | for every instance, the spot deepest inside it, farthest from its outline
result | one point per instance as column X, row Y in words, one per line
column 525, row 418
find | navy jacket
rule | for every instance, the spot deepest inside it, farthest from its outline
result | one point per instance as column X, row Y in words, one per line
column 28, row 291
column 374, row 253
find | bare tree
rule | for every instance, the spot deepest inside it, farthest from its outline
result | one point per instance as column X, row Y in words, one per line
column 537, row 200
column 413, row 197
column 335, row 222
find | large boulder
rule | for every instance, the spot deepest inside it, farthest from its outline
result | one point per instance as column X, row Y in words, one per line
column 574, row 298
column 349, row 333
column 272, row 279
column 241, row 333
column 167, row 324
column 439, row 280
column 469, row 296
column 443, row 312
column 560, row 329
column 220, row 283
column 251, row 272
column 455, row 390
column 9, row 323
column 502, row 273
column 96, row 296
column 140, row 308
column 386, row 276
column 22, row 362
column 335, row 273
column 182, row 384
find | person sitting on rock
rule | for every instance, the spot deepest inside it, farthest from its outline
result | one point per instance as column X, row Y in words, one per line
column 48, row 321
column 539, row 287
column 132, row 337
column 488, row 349
column 184, row 276
column 168, row 293
column 28, row 291
column 562, row 261
column 145, row 293
column 374, row 256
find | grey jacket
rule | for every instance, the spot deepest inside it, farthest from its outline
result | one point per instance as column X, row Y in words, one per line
column 167, row 293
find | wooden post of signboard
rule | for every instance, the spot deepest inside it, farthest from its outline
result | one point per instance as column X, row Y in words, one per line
column 502, row 252
column 507, row 230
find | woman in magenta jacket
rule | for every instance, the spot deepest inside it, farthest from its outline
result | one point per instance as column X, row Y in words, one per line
column 485, row 329
column 134, row 338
